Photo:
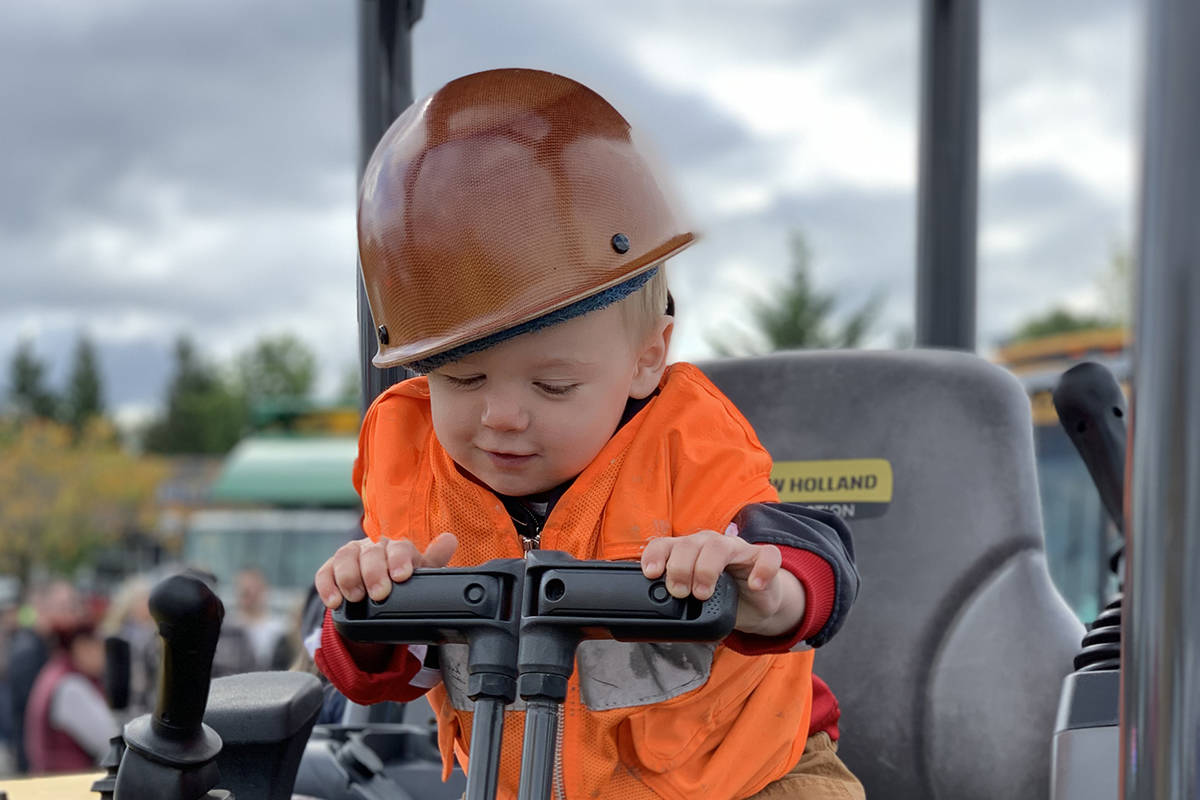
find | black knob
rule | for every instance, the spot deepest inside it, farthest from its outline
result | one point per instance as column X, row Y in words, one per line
column 171, row 755
column 1091, row 408
column 189, row 621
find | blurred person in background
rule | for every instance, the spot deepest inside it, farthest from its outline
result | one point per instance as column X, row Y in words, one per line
column 68, row 722
column 128, row 618
column 56, row 606
column 266, row 631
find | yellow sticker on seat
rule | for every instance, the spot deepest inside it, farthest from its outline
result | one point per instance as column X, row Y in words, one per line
column 849, row 487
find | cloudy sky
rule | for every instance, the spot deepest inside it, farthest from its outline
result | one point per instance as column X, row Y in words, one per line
column 190, row 168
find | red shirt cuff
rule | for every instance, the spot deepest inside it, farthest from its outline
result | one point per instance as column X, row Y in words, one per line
column 816, row 578
column 359, row 686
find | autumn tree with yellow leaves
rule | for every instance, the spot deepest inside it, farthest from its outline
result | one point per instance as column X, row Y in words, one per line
column 66, row 494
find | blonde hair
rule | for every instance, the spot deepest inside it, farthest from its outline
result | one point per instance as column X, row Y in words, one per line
column 642, row 309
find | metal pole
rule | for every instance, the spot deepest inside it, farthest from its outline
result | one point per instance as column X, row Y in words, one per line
column 1160, row 698
column 948, row 174
column 487, row 732
column 538, row 749
column 384, row 91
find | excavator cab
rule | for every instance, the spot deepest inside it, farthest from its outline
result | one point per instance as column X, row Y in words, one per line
column 950, row 669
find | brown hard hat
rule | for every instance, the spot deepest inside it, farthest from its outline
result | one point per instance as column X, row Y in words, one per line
column 502, row 197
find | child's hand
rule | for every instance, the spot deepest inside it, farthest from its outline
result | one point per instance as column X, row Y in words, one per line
column 770, row 600
column 363, row 567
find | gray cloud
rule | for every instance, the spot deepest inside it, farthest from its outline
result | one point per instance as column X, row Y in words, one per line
column 1072, row 236
column 233, row 104
column 191, row 167
column 552, row 36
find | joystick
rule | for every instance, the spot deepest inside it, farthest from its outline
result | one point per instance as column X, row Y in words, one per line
column 171, row 754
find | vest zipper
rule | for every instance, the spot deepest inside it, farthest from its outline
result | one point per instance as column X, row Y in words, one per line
column 530, row 543
column 559, row 791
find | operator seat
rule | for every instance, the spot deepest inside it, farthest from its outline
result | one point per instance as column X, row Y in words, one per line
column 949, row 667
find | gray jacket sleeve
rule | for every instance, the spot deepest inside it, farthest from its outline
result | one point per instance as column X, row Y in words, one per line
column 820, row 532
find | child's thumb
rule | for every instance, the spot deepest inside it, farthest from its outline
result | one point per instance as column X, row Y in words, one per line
column 440, row 550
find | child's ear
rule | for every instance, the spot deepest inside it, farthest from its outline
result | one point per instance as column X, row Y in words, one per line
column 652, row 358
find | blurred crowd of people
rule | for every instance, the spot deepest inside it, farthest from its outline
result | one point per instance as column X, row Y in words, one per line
column 62, row 695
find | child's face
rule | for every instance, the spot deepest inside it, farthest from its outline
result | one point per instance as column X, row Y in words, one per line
column 532, row 412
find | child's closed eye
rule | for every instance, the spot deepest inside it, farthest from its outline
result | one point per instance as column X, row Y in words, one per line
column 464, row 382
column 556, row 389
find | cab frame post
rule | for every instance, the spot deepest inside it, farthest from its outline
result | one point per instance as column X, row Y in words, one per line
column 384, row 91
column 948, row 174
column 1160, row 698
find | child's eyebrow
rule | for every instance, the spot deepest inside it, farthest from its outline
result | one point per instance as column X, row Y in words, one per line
column 550, row 363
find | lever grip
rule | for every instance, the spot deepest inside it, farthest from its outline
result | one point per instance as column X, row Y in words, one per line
column 189, row 620
column 436, row 606
column 476, row 605
column 567, row 601
column 1091, row 408
column 613, row 599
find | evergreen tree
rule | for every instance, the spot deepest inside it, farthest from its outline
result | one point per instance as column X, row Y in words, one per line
column 1115, row 285
column 84, row 394
column 1060, row 320
column 277, row 368
column 27, row 384
column 795, row 315
column 203, row 414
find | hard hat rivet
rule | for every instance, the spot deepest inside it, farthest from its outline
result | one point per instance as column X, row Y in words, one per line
column 383, row 334
column 620, row 243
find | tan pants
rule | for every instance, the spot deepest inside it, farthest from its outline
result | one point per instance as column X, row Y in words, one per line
column 818, row 775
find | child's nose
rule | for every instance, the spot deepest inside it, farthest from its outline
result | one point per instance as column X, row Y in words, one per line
column 504, row 414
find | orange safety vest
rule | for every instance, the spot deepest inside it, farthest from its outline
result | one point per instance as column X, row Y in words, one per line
column 640, row 720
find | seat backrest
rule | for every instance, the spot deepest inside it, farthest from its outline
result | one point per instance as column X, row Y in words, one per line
column 949, row 667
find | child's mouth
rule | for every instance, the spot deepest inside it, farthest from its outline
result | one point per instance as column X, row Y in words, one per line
column 508, row 460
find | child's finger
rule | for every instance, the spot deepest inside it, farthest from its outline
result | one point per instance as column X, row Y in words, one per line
column 440, row 551
column 327, row 588
column 402, row 556
column 715, row 554
column 347, row 575
column 654, row 557
column 373, row 567
column 681, row 564
column 767, row 561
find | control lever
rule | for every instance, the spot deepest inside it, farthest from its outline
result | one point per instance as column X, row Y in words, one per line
column 566, row 601
column 522, row 620
column 171, row 754
column 1091, row 408
column 476, row 605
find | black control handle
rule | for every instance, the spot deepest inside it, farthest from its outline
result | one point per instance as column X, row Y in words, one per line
column 1091, row 408
column 614, row 600
column 189, row 621
column 433, row 606
column 567, row 600
column 476, row 605
column 525, row 617
column 171, row 754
